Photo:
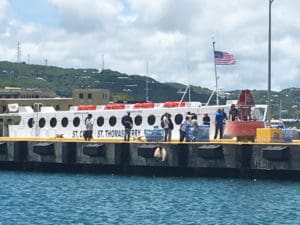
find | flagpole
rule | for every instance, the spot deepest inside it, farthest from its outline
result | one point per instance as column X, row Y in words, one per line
column 216, row 76
column 188, row 67
column 269, row 114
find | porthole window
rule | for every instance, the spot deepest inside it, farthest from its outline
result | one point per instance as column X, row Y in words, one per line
column 64, row 122
column 42, row 122
column 100, row 121
column 53, row 122
column 112, row 121
column 178, row 119
column 122, row 120
column 76, row 121
column 151, row 120
column 30, row 123
column 138, row 120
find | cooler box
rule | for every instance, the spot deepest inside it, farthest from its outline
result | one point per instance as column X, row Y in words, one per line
column 202, row 134
column 287, row 134
column 155, row 135
column 268, row 135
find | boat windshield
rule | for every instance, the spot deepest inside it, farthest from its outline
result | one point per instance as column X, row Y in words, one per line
column 259, row 112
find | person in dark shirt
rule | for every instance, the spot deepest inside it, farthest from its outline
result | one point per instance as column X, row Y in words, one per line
column 206, row 119
column 128, row 124
column 233, row 113
column 219, row 121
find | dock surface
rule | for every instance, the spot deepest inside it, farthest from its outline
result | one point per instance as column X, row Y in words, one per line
column 223, row 158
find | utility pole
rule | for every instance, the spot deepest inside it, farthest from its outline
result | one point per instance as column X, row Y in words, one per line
column 102, row 62
column 269, row 115
column 18, row 52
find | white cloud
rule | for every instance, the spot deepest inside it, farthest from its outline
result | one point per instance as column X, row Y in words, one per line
column 167, row 33
column 88, row 15
column 3, row 9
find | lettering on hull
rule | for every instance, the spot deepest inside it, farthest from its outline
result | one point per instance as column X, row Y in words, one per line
column 107, row 133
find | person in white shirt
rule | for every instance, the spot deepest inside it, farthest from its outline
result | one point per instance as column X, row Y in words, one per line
column 89, row 124
column 195, row 128
column 168, row 126
column 184, row 129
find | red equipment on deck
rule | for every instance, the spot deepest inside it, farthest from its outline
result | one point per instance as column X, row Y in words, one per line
column 244, row 104
column 143, row 105
column 114, row 106
column 172, row 104
column 245, row 127
column 86, row 107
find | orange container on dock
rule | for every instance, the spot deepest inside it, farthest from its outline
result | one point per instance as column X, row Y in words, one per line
column 269, row 135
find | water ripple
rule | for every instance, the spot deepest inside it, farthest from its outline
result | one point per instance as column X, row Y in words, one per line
column 35, row 198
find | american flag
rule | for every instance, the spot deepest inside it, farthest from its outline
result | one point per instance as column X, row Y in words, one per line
column 224, row 58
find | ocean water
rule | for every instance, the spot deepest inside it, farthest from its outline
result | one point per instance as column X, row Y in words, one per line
column 38, row 198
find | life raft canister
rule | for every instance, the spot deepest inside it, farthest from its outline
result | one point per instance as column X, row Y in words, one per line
column 143, row 105
column 173, row 104
column 115, row 106
column 87, row 107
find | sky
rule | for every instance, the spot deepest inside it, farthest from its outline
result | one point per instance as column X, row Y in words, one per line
column 173, row 37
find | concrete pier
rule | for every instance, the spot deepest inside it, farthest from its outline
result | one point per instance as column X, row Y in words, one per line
column 222, row 158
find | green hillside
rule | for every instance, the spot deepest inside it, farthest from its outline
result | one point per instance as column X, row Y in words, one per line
column 131, row 87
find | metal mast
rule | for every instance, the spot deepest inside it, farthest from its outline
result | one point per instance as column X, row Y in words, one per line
column 147, row 82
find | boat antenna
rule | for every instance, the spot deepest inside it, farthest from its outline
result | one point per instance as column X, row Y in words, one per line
column 188, row 88
column 188, row 68
column 147, row 81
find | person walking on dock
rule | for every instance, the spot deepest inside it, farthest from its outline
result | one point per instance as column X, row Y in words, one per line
column 168, row 126
column 219, row 121
column 128, row 124
column 89, row 124
column 171, row 126
column 185, row 127
column 195, row 128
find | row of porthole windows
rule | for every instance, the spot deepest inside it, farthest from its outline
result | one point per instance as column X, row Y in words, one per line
column 100, row 121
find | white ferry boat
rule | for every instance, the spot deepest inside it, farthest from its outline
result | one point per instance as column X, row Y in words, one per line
column 44, row 121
